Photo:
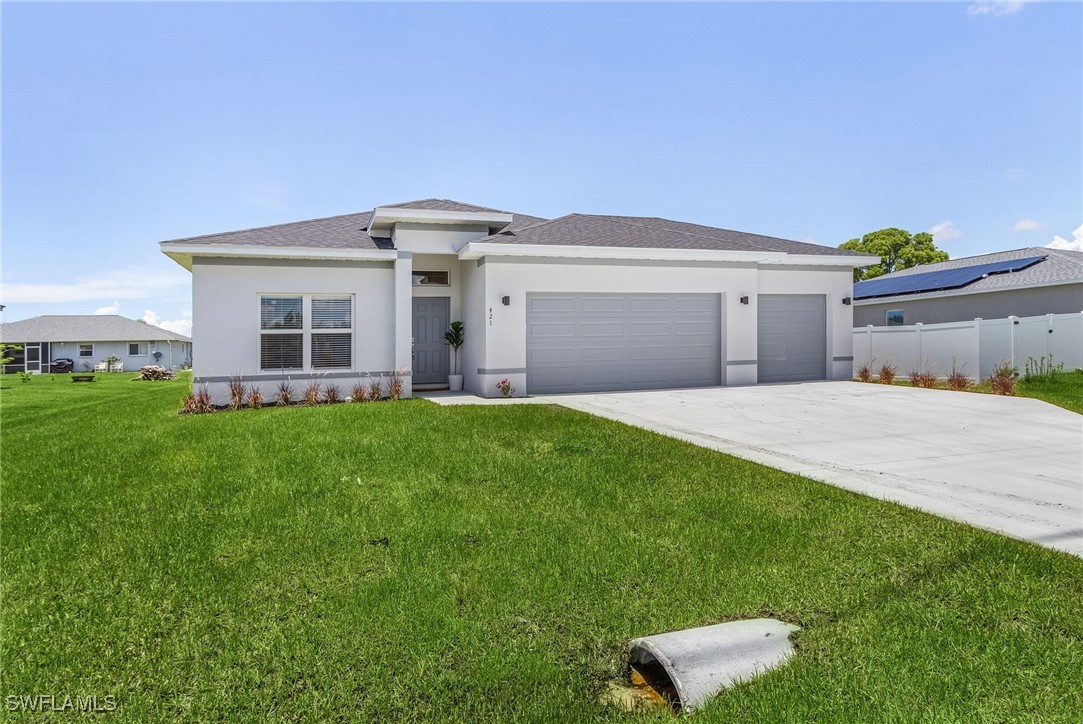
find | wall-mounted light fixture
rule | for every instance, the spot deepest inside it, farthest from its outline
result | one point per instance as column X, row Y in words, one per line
column 506, row 301
column 846, row 301
column 744, row 300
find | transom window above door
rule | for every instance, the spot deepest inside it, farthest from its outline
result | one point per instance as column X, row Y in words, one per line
column 430, row 278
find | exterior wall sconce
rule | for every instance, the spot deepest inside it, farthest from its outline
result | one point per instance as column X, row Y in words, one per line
column 506, row 301
column 744, row 300
column 846, row 301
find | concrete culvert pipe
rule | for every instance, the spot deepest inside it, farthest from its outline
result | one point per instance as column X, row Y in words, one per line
column 689, row 667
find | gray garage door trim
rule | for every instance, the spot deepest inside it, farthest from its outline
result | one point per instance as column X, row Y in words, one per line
column 606, row 342
column 792, row 337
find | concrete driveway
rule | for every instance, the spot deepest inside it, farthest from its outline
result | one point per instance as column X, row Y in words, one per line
column 1013, row 465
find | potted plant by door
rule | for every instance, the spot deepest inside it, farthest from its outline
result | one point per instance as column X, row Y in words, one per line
column 454, row 337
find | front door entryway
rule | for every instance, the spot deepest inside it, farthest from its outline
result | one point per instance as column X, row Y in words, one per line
column 430, row 358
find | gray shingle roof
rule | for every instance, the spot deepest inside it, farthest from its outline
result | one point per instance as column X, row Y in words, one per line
column 651, row 233
column 348, row 232
column 84, row 328
column 333, row 232
column 1060, row 266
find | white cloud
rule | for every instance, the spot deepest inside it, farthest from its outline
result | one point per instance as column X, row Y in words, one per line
column 1029, row 225
column 108, row 309
column 997, row 7
column 126, row 284
column 945, row 231
column 180, row 326
column 1076, row 244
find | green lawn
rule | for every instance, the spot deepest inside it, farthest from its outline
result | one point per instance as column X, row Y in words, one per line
column 223, row 567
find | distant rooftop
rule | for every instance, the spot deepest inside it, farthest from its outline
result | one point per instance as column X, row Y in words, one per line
column 85, row 328
column 1056, row 266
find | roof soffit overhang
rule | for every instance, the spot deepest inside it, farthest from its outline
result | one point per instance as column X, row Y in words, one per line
column 477, row 250
column 384, row 219
column 184, row 253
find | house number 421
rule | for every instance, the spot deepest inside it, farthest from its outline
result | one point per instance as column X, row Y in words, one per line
column 490, row 316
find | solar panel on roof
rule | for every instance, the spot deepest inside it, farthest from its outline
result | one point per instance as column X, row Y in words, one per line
column 937, row 280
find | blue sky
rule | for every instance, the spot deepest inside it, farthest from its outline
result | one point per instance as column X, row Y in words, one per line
column 128, row 124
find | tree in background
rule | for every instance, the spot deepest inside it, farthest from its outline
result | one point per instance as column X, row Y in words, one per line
column 897, row 249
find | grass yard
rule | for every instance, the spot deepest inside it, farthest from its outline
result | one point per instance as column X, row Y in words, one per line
column 406, row 561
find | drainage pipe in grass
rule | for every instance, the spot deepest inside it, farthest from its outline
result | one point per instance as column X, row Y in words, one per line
column 689, row 667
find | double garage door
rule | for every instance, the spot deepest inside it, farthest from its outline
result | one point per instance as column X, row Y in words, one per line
column 600, row 342
column 605, row 342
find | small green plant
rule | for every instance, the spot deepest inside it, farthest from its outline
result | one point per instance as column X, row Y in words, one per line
column 112, row 361
column 1002, row 381
column 285, row 394
column 924, row 379
column 5, row 358
column 505, row 387
column 1041, row 369
column 887, row 374
column 454, row 337
column 25, row 376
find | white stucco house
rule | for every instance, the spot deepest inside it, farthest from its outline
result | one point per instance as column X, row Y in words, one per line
column 89, row 339
column 574, row 304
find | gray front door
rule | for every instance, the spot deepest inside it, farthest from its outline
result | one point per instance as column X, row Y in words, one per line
column 792, row 337
column 600, row 342
column 431, row 319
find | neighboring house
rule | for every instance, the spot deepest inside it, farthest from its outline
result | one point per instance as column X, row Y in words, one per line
column 88, row 339
column 581, row 303
column 1022, row 283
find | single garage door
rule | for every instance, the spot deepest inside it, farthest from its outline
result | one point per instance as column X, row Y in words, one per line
column 792, row 337
column 600, row 342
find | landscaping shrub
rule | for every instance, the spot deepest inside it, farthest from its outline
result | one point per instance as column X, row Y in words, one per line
column 1003, row 379
column 375, row 389
column 156, row 372
column 924, row 379
column 359, row 393
column 197, row 402
column 285, row 394
column 958, row 380
column 331, row 394
column 396, row 385
column 312, row 393
column 255, row 398
column 887, row 375
column 238, row 391
column 864, row 373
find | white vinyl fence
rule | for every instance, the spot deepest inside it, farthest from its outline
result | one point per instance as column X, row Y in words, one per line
column 974, row 347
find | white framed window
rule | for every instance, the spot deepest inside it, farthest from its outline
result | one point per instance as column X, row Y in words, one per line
column 895, row 318
column 306, row 332
column 138, row 349
column 430, row 279
column 86, row 350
